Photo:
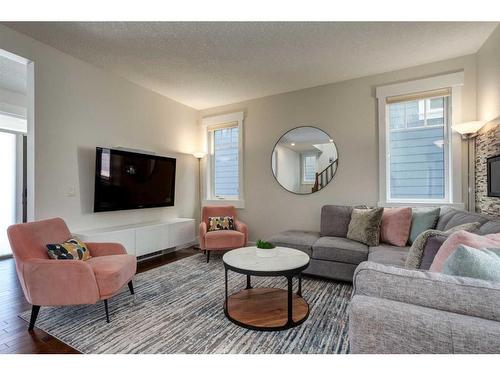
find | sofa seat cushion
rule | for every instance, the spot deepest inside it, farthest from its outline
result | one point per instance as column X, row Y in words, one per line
column 295, row 239
column 112, row 272
column 339, row 249
column 224, row 239
column 388, row 254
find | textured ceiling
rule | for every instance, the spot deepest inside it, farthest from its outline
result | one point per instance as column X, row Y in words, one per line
column 12, row 75
column 214, row 63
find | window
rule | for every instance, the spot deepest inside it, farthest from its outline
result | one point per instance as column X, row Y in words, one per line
column 420, row 160
column 226, row 173
column 417, row 139
column 224, row 180
column 309, row 167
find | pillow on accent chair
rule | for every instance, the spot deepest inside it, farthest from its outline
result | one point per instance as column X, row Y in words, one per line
column 476, row 263
column 70, row 249
column 395, row 226
column 462, row 238
column 417, row 249
column 423, row 220
column 220, row 223
column 365, row 225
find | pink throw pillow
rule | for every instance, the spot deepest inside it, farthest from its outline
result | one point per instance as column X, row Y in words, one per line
column 395, row 227
column 462, row 238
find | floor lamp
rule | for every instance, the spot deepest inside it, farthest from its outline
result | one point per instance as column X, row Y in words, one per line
column 468, row 131
column 199, row 156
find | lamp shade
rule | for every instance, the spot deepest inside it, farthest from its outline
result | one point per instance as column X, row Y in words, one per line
column 199, row 155
column 471, row 127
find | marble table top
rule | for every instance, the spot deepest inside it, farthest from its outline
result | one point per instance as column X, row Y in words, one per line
column 266, row 260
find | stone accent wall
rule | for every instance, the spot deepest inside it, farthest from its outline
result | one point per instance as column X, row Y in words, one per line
column 487, row 144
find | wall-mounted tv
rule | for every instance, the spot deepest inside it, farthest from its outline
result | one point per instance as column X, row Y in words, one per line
column 493, row 166
column 127, row 180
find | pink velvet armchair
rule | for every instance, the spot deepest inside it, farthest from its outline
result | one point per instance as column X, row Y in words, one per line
column 221, row 239
column 49, row 282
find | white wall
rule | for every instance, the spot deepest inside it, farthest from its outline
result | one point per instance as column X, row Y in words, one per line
column 347, row 112
column 488, row 78
column 288, row 165
column 79, row 107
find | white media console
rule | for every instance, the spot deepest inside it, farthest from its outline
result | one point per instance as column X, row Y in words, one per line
column 145, row 238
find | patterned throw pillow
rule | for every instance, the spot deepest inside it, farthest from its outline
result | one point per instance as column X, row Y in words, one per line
column 220, row 223
column 365, row 226
column 416, row 253
column 71, row 249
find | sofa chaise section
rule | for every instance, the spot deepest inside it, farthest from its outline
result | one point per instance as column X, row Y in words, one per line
column 396, row 310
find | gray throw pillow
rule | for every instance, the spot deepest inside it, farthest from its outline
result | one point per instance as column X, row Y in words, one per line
column 416, row 253
column 335, row 220
column 431, row 248
column 466, row 261
column 365, row 225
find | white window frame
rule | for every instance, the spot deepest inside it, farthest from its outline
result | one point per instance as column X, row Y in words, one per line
column 303, row 156
column 208, row 124
column 452, row 144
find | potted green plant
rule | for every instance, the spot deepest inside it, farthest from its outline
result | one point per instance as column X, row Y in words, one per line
column 264, row 248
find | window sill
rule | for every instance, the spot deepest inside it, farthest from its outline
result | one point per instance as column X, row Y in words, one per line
column 238, row 203
column 458, row 206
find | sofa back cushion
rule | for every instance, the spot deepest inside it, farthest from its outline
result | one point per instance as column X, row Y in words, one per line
column 395, row 227
column 451, row 217
column 490, row 227
column 335, row 220
column 462, row 238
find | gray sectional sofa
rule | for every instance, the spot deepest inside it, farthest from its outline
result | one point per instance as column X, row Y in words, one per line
column 335, row 256
column 397, row 310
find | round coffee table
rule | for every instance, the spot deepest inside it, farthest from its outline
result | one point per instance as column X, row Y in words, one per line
column 266, row 309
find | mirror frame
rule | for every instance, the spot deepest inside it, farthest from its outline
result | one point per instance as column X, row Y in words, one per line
column 279, row 139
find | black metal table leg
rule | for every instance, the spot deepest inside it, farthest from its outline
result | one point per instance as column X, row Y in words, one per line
column 249, row 284
column 225, row 282
column 299, row 292
column 290, row 301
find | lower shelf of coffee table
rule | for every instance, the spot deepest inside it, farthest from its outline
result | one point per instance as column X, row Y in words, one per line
column 265, row 309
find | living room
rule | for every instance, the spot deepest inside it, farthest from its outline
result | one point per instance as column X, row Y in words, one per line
column 250, row 187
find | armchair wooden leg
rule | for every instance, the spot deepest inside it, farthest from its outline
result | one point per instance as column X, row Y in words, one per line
column 131, row 287
column 106, row 309
column 34, row 314
column 208, row 255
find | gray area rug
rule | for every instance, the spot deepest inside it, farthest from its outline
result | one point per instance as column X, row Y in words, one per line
column 177, row 308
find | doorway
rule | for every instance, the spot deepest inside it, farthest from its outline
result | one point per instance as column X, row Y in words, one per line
column 14, row 109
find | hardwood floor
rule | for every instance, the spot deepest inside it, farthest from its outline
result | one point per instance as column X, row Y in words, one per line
column 14, row 335
column 265, row 307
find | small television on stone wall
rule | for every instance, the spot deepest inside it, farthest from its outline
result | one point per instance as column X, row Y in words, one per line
column 493, row 167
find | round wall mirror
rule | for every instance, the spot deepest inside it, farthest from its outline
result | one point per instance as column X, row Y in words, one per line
column 304, row 160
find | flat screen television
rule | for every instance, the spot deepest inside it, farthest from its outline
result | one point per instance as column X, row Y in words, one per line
column 127, row 180
column 493, row 167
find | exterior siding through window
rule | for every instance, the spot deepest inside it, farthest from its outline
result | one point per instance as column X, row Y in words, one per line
column 417, row 153
column 226, row 175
